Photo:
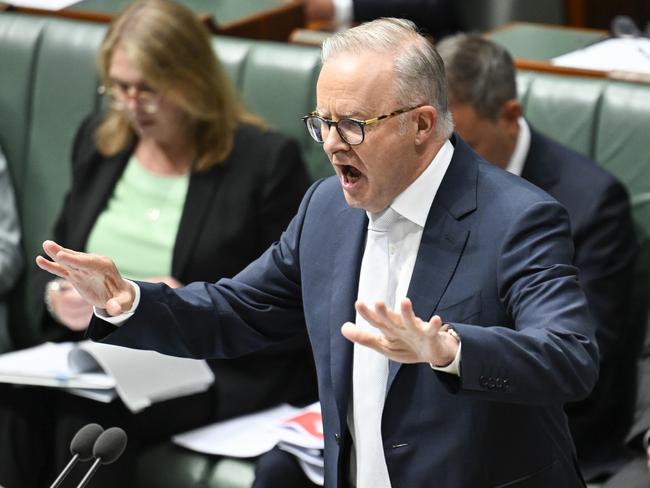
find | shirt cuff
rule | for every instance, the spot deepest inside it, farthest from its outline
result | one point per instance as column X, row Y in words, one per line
column 118, row 320
column 646, row 439
column 453, row 367
column 343, row 13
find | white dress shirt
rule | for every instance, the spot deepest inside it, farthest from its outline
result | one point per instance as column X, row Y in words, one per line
column 522, row 146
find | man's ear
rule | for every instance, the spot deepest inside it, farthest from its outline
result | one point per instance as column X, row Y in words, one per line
column 427, row 118
column 511, row 110
column 509, row 117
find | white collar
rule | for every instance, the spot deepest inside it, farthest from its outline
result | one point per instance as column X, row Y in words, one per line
column 415, row 201
column 518, row 158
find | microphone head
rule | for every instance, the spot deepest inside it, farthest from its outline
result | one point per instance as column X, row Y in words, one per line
column 110, row 445
column 83, row 441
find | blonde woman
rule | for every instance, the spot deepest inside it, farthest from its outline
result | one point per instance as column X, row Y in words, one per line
column 180, row 182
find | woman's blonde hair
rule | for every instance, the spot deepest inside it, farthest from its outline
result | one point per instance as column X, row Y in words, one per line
column 173, row 51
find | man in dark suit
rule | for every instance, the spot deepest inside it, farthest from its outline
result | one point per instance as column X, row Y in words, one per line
column 479, row 332
column 636, row 472
column 434, row 17
column 487, row 114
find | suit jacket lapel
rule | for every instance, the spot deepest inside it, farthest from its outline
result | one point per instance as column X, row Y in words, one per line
column 200, row 194
column 537, row 169
column 350, row 240
column 444, row 237
column 105, row 178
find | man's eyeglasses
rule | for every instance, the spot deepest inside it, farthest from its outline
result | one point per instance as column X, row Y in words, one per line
column 351, row 130
column 120, row 94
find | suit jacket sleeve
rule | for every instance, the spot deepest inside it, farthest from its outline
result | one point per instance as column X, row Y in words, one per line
column 550, row 355
column 259, row 307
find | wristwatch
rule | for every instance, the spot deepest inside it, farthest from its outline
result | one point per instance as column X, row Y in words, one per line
column 449, row 330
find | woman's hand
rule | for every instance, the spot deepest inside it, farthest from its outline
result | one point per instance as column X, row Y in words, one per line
column 67, row 306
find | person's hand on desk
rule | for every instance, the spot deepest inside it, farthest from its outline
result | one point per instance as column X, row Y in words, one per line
column 66, row 305
column 404, row 337
column 95, row 277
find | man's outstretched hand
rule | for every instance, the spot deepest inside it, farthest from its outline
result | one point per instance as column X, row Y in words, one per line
column 95, row 277
column 402, row 336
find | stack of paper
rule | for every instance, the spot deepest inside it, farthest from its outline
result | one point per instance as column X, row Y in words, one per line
column 622, row 54
column 295, row 430
column 302, row 436
column 102, row 371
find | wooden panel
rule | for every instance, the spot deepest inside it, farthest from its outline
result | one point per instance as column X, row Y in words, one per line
column 274, row 21
column 599, row 13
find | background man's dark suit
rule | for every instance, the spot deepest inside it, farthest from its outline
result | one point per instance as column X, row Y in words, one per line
column 434, row 17
column 605, row 249
column 636, row 473
column 494, row 261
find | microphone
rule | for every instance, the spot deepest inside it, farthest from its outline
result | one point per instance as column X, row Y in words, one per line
column 81, row 448
column 108, row 447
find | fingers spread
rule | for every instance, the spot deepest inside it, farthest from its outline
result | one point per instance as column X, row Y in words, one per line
column 353, row 333
column 75, row 260
column 51, row 267
column 51, row 248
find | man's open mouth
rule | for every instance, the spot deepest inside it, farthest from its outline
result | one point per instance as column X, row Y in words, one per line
column 350, row 173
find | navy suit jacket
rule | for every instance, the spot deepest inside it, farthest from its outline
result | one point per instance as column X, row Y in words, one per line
column 494, row 260
column 605, row 250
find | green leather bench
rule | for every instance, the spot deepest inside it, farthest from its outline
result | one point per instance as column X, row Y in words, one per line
column 48, row 84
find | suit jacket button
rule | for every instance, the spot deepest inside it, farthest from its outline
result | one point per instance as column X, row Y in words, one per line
column 337, row 438
column 482, row 380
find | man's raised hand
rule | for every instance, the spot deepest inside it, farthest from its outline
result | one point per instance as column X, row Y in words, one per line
column 95, row 277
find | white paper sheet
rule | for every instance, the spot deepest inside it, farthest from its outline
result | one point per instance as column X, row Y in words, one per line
column 47, row 365
column 629, row 54
column 43, row 4
column 247, row 436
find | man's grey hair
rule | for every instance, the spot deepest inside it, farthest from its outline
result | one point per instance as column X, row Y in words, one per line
column 480, row 73
column 420, row 73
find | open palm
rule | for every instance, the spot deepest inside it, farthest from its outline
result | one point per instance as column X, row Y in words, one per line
column 95, row 277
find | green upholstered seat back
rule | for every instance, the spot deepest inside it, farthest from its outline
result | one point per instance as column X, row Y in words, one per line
column 565, row 108
column 47, row 85
column 18, row 39
column 278, row 82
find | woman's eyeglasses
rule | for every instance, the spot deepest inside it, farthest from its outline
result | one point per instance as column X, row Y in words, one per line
column 120, row 94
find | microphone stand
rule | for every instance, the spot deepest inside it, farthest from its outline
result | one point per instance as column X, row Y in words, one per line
column 89, row 474
column 65, row 471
